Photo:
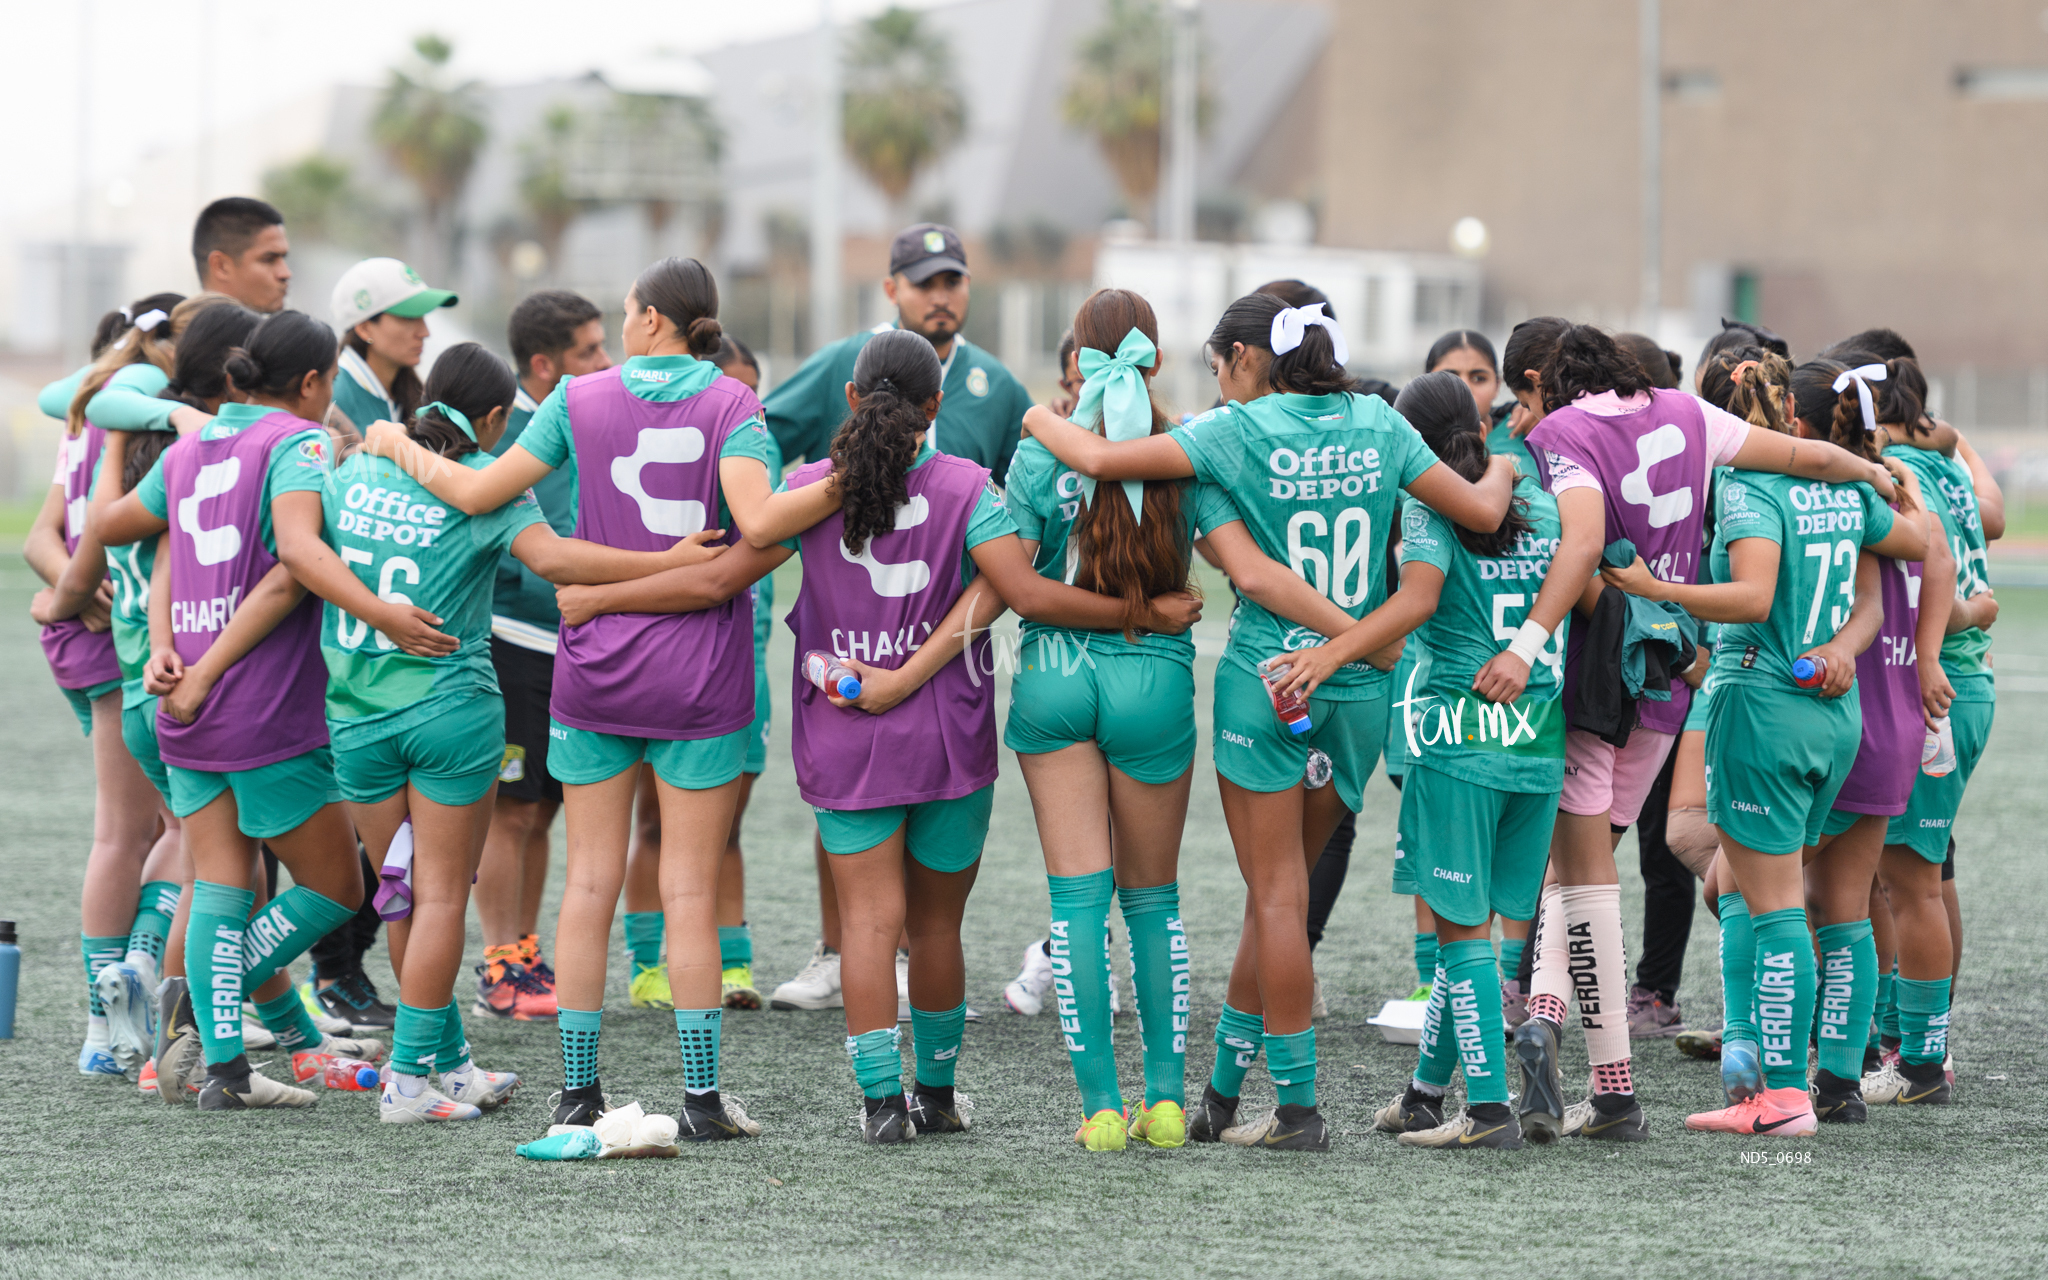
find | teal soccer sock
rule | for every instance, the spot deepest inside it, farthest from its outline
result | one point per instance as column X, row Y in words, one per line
column 643, row 937
column 579, row 1030
column 452, row 1053
column 1476, row 1027
column 1291, row 1060
column 1923, row 1020
column 98, row 953
column 153, row 914
column 213, row 965
column 1738, row 970
column 697, row 1037
column 1425, row 959
column 735, row 946
column 1077, row 947
column 877, row 1058
column 935, row 1043
column 1160, row 975
column 287, row 1019
column 416, row 1039
column 1785, row 982
column 1435, row 1060
column 1239, row 1037
column 1885, row 1009
column 285, row 929
column 1511, row 957
column 1848, row 995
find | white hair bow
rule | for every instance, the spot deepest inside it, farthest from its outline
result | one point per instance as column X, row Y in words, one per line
column 149, row 320
column 1291, row 325
column 1862, row 377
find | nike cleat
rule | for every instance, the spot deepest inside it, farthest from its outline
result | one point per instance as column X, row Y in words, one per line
column 580, row 1106
column 706, row 1117
column 1542, row 1091
column 180, row 1058
column 1420, row 993
column 1649, row 1018
column 354, row 997
column 816, row 985
column 1208, row 1118
column 430, row 1107
column 1163, row 1125
column 1469, row 1132
column 1414, row 1111
column 323, row 1021
column 932, row 1113
column 1027, row 991
column 1907, row 1084
column 1607, row 1117
column 1286, row 1128
column 649, row 988
column 1106, row 1130
column 1770, row 1113
column 250, row 1092
column 1838, row 1101
column 737, row 988
column 885, row 1121
column 362, row 1050
column 1742, row 1072
column 256, row 1036
column 126, row 991
column 1701, row 1044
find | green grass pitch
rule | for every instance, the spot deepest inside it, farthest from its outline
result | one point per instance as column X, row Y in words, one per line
column 95, row 1181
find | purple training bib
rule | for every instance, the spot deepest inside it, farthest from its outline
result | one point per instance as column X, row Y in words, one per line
column 271, row 705
column 1888, row 684
column 646, row 475
column 879, row 607
column 79, row 658
column 1652, row 469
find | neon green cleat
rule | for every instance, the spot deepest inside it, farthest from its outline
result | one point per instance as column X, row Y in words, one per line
column 1420, row 993
column 650, row 987
column 1163, row 1124
column 738, row 985
column 1104, row 1131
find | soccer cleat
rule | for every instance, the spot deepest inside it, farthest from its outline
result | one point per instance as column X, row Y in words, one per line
column 1742, row 1072
column 706, row 1117
column 180, row 1061
column 1607, row 1117
column 1894, row 1085
column 322, row 1019
column 509, row 990
column 1701, row 1044
column 125, row 990
column 363, row 1050
column 649, row 988
column 96, row 1058
column 581, row 1106
column 1535, row 1047
column 1319, row 1008
column 484, row 1090
column 393, row 1107
column 902, row 985
column 1211, row 1116
column 932, row 1114
column 1283, row 1129
column 1514, row 1007
column 1838, row 1101
column 354, row 997
column 1948, row 1068
column 886, row 1121
column 1649, row 1018
column 1027, row 991
column 816, row 985
column 1106, row 1130
column 256, row 1036
column 1468, row 1132
column 737, row 988
column 145, row 1078
column 1420, row 993
column 252, row 1092
column 1163, row 1125
column 1770, row 1113
column 1413, row 1111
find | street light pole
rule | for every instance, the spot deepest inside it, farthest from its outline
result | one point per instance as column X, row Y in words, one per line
column 1177, row 191
column 1651, row 87
column 825, row 163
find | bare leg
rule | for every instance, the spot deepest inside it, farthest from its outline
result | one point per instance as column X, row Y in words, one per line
column 732, row 866
column 871, row 893
column 828, row 894
column 643, row 855
column 501, row 876
column 694, row 829
column 123, row 828
column 600, row 818
column 533, row 878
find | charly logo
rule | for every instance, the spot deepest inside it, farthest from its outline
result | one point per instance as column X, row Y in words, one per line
column 934, row 242
column 895, row 580
column 977, row 382
column 670, row 517
column 211, row 546
column 1667, row 441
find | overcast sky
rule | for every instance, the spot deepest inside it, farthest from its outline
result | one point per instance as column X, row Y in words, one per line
column 146, row 57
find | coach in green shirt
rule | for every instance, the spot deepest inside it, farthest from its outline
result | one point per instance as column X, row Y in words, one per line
column 980, row 417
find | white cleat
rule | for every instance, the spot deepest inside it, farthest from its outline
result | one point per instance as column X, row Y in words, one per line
column 128, row 992
column 257, row 1092
column 430, row 1107
column 1027, row 991
column 476, row 1087
column 361, row 1049
column 816, row 986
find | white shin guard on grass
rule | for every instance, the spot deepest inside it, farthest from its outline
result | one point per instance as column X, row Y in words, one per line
column 1598, row 968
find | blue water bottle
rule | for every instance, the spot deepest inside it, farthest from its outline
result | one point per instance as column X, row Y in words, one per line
column 10, row 977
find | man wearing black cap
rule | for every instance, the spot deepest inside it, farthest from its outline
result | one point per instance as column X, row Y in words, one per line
column 984, row 406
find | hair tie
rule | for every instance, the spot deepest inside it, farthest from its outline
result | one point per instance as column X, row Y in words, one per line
column 1863, row 377
column 1114, row 396
column 1293, row 324
column 883, row 384
column 149, row 320
column 454, row 415
column 1735, row 374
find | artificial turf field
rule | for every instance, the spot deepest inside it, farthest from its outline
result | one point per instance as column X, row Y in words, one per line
column 97, row 1181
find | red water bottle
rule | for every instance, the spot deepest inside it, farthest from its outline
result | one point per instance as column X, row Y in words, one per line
column 831, row 675
column 1809, row 673
column 1291, row 707
column 335, row 1072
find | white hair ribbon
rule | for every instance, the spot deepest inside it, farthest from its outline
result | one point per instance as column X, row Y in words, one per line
column 1862, row 377
column 1291, row 325
column 127, row 316
column 149, row 320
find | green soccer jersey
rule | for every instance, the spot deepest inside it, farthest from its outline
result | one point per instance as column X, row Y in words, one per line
column 299, row 464
column 1044, row 497
column 523, row 608
column 128, row 568
column 1945, row 483
column 1317, row 480
column 130, row 402
column 1516, row 746
column 980, row 418
column 409, row 547
column 358, row 395
column 1501, row 440
column 1819, row 528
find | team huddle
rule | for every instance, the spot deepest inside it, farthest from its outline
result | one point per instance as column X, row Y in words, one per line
column 316, row 612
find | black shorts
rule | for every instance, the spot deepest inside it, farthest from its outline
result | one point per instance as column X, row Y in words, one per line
column 528, row 682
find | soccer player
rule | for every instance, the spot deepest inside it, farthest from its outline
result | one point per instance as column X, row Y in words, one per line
column 555, row 335
column 381, row 307
column 1314, row 469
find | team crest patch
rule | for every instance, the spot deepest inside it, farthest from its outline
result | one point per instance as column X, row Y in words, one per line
column 934, row 242
column 1416, row 523
column 314, row 451
column 1736, row 497
column 977, row 382
column 411, row 276
column 513, row 767
column 362, row 299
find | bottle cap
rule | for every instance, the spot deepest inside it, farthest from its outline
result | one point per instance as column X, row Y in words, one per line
column 366, row 1077
column 1802, row 669
column 849, row 688
column 1300, row 726
column 6, row 931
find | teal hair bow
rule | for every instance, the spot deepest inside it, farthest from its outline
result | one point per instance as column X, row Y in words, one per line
column 1115, row 400
column 454, row 415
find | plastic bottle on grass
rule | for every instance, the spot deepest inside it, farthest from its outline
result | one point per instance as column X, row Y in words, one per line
column 1292, row 708
column 335, row 1072
column 831, row 675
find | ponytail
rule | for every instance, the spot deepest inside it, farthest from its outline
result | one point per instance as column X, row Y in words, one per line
column 1440, row 409
column 1310, row 369
column 1586, row 362
column 1754, row 383
column 467, row 380
column 141, row 331
column 683, row 291
column 281, row 350
column 896, row 375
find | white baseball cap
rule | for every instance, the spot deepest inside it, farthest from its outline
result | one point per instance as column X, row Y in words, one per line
column 376, row 286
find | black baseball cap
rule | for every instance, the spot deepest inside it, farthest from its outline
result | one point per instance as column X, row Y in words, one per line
column 923, row 251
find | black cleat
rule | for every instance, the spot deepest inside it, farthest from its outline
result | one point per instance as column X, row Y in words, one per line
column 581, row 1105
column 180, row 1058
column 886, row 1121
column 1285, row 1128
column 1485, row 1125
column 354, row 998
column 936, row 1111
column 1873, row 1058
column 1607, row 1117
column 1208, row 1118
column 1414, row 1112
column 232, row 1086
column 1838, row 1101
column 1542, row 1090
column 706, row 1117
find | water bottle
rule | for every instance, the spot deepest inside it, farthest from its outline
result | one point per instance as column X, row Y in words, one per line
column 1809, row 673
column 1317, row 775
column 1292, row 708
column 1938, row 753
column 10, row 977
column 335, row 1072
column 831, row 675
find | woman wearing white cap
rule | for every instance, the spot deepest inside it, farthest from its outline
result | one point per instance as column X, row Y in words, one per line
column 380, row 308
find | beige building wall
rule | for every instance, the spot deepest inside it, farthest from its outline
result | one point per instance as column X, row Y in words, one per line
column 1823, row 145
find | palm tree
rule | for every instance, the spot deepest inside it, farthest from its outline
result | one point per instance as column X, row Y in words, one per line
column 902, row 111
column 433, row 131
column 1116, row 92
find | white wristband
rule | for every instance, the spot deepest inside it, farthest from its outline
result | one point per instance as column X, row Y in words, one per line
column 1528, row 642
